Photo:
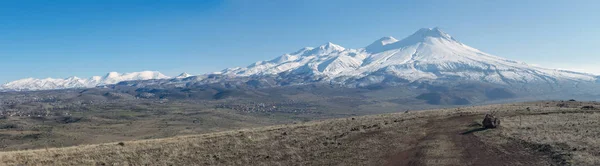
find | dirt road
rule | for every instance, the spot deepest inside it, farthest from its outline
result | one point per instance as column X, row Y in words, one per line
column 452, row 141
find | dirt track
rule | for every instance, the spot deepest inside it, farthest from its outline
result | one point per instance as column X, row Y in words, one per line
column 452, row 141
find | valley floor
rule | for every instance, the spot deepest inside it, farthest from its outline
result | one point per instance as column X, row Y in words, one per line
column 536, row 133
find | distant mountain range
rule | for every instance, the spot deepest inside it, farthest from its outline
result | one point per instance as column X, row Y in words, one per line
column 429, row 55
column 76, row 82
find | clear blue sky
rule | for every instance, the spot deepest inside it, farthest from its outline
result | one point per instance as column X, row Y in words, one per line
column 61, row 38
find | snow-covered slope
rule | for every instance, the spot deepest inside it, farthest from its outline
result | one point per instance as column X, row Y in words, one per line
column 427, row 55
column 75, row 82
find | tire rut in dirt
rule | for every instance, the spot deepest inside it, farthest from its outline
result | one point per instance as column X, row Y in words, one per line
column 446, row 144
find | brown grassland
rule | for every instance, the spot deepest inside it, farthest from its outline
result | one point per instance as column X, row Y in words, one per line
column 534, row 133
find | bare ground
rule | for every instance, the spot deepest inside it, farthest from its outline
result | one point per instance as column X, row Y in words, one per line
column 447, row 143
column 531, row 134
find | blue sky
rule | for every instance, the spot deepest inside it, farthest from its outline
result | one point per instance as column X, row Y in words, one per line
column 62, row 38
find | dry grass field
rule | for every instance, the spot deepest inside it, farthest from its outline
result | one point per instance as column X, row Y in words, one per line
column 536, row 133
column 74, row 117
column 571, row 135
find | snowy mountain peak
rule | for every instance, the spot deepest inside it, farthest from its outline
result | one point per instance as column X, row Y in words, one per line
column 380, row 44
column 422, row 35
column 184, row 75
column 330, row 45
column 111, row 75
column 281, row 59
column 386, row 40
column 327, row 48
column 73, row 78
column 115, row 77
column 432, row 32
column 324, row 49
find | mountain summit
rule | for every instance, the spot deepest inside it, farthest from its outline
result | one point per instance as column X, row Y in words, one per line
column 184, row 75
column 430, row 32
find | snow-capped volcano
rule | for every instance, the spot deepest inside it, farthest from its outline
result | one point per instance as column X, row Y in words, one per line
column 76, row 82
column 428, row 54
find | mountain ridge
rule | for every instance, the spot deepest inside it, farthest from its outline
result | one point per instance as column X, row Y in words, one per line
column 428, row 55
column 28, row 84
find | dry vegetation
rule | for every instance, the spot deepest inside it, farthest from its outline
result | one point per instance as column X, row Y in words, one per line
column 72, row 117
column 363, row 141
column 544, row 134
column 568, row 133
